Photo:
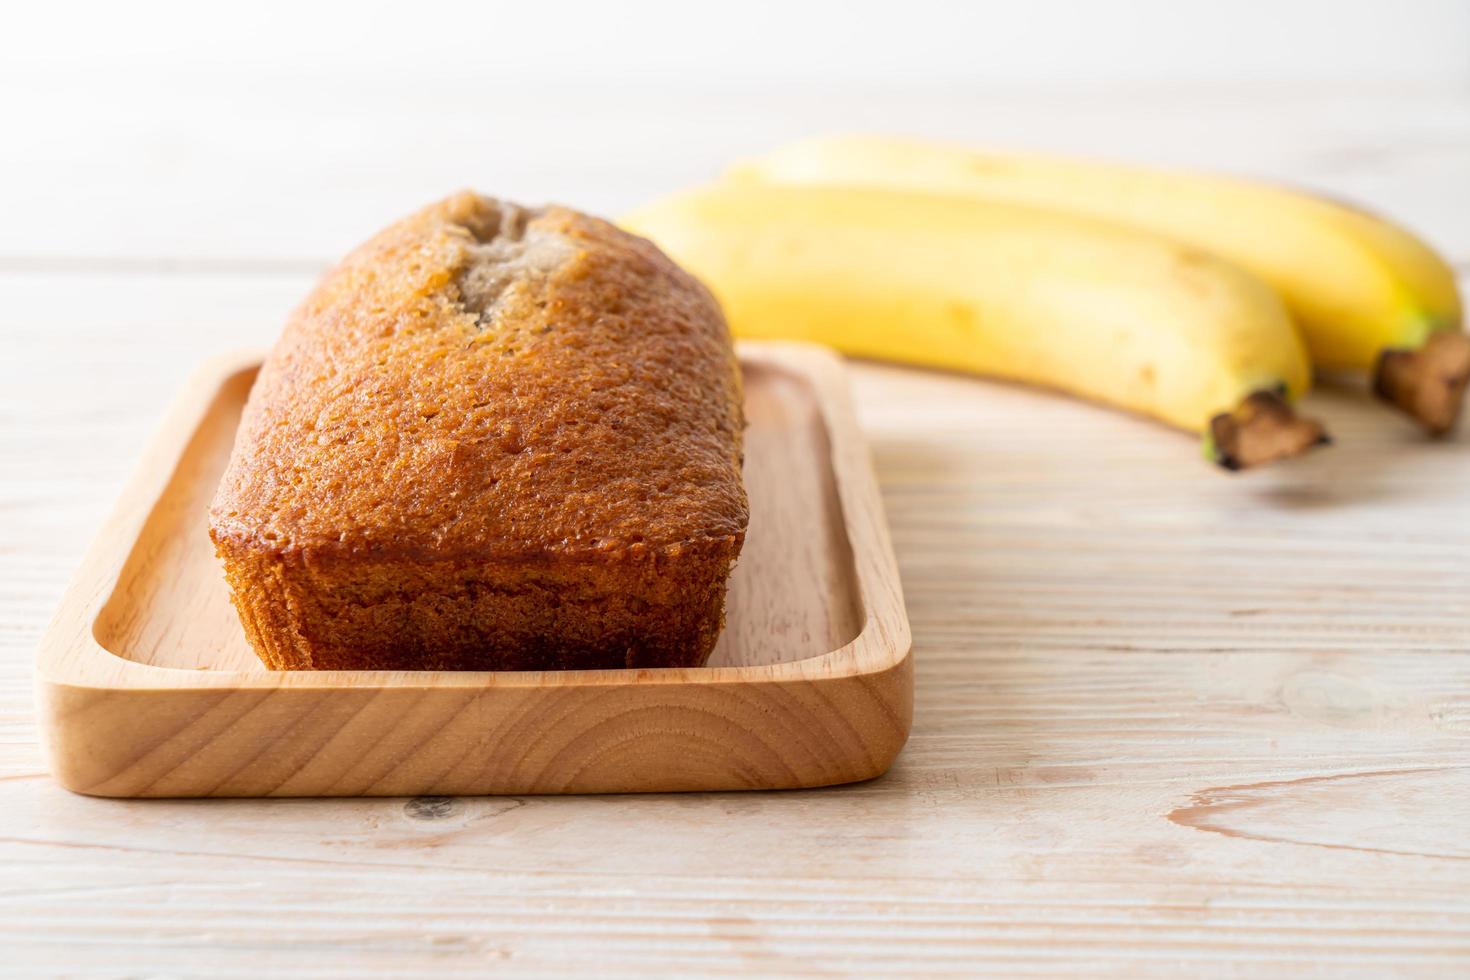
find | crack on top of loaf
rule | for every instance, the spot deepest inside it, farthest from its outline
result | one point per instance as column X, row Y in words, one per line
column 506, row 253
column 492, row 221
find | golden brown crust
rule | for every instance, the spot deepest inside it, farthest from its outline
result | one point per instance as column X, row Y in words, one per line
column 491, row 437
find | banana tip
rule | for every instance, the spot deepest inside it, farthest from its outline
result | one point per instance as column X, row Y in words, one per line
column 1263, row 429
column 1429, row 383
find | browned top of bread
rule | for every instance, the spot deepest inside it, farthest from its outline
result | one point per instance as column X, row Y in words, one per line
column 486, row 381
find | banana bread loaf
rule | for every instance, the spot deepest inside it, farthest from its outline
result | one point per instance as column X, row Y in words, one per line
column 493, row 438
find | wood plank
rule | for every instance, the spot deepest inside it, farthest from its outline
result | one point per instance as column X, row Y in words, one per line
column 1164, row 722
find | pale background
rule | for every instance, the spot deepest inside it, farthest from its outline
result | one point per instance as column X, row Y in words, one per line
column 1036, row 41
column 196, row 132
column 1166, row 721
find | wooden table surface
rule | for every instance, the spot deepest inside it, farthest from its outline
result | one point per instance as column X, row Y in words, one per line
column 1167, row 720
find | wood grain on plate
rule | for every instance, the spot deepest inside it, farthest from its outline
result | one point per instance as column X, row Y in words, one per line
column 147, row 686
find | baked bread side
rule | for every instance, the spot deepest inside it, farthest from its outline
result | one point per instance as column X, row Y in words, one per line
column 492, row 438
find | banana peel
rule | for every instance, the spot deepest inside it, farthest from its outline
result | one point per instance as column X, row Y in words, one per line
column 1366, row 293
column 1101, row 310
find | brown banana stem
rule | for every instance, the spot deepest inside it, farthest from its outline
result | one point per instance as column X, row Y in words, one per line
column 1263, row 429
column 1428, row 383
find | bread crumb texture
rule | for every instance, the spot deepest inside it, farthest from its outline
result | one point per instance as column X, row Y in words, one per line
column 492, row 438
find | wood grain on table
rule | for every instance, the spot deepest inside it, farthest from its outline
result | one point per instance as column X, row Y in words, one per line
column 1166, row 720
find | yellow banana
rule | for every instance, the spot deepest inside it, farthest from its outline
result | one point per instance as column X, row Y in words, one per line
column 1104, row 311
column 1366, row 293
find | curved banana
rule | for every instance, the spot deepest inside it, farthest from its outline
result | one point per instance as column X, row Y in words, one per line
column 1366, row 293
column 1107, row 312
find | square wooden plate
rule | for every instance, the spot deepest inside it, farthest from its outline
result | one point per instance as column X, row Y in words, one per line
column 147, row 687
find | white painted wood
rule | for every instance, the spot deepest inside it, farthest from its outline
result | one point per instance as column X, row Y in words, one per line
column 1167, row 721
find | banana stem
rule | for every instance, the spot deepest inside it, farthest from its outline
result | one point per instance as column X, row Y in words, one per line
column 1429, row 383
column 1264, row 428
